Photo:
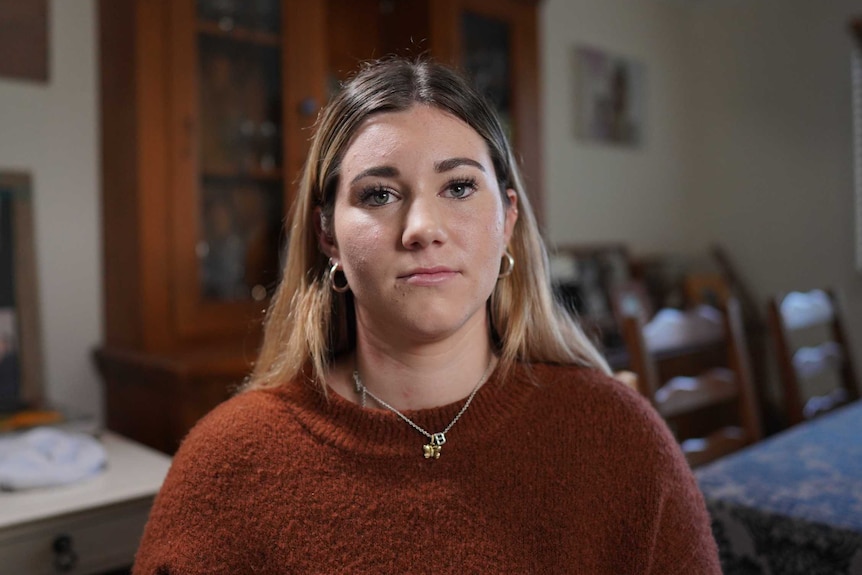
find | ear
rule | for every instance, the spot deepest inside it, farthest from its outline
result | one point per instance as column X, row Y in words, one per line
column 511, row 214
column 325, row 237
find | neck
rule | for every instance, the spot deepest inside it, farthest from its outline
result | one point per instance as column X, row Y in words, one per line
column 411, row 388
column 414, row 370
column 425, row 376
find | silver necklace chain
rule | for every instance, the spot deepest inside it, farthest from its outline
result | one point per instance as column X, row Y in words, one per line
column 434, row 447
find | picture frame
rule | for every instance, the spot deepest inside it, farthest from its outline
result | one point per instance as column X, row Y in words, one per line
column 20, row 338
column 609, row 97
column 24, row 40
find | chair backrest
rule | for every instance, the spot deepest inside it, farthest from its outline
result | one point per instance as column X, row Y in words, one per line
column 712, row 409
column 817, row 371
column 706, row 288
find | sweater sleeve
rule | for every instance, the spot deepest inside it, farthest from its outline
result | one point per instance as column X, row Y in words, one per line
column 682, row 540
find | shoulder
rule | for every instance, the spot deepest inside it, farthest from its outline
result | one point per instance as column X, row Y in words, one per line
column 588, row 379
column 235, row 414
column 604, row 412
column 216, row 459
column 587, row 390
column 231, row 442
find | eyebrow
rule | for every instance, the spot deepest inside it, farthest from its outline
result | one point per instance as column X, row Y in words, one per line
column 439, row 167
column 452, row 163
column 376, row 171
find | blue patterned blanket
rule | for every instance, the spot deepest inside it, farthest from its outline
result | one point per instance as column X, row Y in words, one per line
column 792, row 503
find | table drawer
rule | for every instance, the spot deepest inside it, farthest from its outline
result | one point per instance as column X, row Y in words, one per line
column 100, row 539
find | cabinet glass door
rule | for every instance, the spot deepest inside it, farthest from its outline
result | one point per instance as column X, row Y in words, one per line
column 498, row 48
column 486, row 49
column 241, row 190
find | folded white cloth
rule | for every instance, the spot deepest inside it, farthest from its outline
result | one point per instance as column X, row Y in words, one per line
column 45, row 457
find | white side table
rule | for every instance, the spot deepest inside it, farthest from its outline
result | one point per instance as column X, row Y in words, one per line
column 87, row 527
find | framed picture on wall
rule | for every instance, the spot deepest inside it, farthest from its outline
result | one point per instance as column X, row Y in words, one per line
column 24, row 40
column 609, row 97
column 20, row 343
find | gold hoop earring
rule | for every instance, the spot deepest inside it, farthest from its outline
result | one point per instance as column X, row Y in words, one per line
column 507, row 268
column 333, row 269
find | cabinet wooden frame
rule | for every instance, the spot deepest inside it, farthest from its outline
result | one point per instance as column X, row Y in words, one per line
column 521, row 16
column 168, row 355
column 195, row 315
column 151, row 172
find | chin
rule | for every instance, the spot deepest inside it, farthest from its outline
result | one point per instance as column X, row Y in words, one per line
column 435, row 323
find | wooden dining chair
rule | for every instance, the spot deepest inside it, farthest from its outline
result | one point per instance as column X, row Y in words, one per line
column 817, row 371
column 707, row 398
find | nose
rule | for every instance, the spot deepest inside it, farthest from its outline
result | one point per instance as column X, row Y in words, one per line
column 424, row 223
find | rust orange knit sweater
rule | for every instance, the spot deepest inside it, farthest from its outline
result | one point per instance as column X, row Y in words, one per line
column 566, row 471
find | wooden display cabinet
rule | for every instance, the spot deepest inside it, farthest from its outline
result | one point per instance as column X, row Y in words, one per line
column 206, row 110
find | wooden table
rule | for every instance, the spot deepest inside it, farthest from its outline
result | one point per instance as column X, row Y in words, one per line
column 91, row 526
column 792, row 503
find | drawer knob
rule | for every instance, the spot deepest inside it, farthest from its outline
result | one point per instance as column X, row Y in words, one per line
column 65, row 557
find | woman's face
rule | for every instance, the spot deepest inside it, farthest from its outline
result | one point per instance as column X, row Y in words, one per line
column 419, row 226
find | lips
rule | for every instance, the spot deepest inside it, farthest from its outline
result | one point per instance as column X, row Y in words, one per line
column 428, row 276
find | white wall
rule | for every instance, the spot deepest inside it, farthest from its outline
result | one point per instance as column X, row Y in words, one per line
column 50, row 130
column 598, row 192
column 749, row 138
column 774, row 172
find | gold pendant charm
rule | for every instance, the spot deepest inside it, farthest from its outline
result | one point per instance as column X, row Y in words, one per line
column 433, row 449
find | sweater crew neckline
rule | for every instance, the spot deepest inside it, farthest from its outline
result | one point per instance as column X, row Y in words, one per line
column 341, row 423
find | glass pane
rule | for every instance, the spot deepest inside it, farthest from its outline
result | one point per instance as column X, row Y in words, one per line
column 20, row 382
column 241, row 200
column 487, row 61
column 239, row 250
column 9, row 362
column 261, row 15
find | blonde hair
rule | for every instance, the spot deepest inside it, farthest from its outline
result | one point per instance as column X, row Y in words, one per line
column 308, row 324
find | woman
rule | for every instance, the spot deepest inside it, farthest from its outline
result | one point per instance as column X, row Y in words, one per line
column 420, row 403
